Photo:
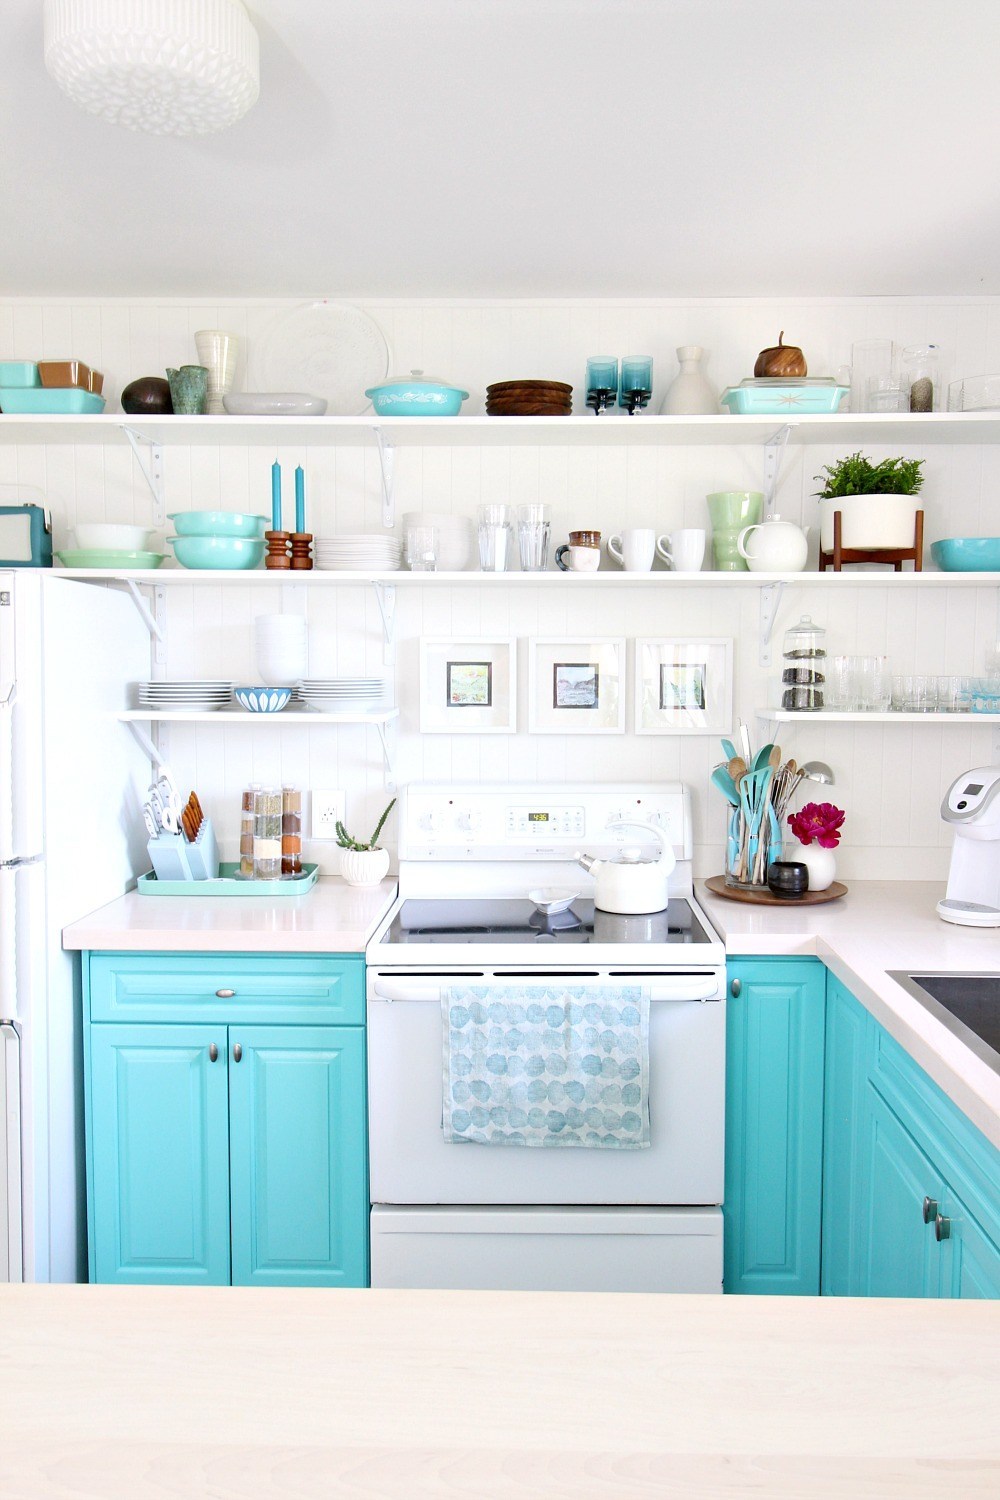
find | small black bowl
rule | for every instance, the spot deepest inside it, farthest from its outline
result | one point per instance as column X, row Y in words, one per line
column 788, row 878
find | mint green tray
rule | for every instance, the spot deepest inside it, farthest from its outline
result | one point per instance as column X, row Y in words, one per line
column 229, row 885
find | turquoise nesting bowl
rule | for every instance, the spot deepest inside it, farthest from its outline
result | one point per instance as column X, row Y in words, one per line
column 967, row 554
column 230, row 552
column 217, row 523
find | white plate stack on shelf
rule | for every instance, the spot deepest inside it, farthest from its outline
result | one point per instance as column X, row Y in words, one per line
column 185, row 697
column 281, row 648
column 372, row 553
column 342, row 695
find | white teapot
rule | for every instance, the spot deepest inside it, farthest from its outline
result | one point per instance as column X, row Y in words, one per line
column 631, row 884
column 780, row 547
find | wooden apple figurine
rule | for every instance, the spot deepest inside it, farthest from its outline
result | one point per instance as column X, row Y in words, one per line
column 782, row 360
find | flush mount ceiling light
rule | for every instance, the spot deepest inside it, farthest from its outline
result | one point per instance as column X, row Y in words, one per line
column 169, row 67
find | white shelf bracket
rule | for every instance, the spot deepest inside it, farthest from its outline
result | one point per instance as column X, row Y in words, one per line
column 384, row 734
column 152, row 624
column 385, row 594
column 387, row 461
column 770, row 598
column 774, row 452
column 152, row 467
column 156, row 747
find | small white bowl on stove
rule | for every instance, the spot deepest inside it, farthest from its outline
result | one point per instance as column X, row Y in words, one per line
column 551, row 900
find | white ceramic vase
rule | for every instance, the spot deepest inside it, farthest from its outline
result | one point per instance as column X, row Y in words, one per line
column 364, row 866
column 217, row 351
column 690, row 394
column 869, row 522
column 821, row 863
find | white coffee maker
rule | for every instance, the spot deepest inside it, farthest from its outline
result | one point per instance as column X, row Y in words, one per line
column 972, row 806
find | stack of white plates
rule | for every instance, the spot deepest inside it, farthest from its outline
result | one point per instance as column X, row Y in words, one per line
column 282, row 648
column 342, row 695
column 185, row 697
column 375, row 553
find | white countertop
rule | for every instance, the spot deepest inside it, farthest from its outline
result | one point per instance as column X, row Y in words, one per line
column 878, row 926
column 333, row 917
column 131, row 1393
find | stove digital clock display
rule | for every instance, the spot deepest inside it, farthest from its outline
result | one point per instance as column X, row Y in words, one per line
column 538, row 817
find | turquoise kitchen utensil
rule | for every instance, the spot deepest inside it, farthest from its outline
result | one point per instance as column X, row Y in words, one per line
column 722, row 779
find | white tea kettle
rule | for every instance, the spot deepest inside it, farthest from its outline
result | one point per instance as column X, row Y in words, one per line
column 630, row 884
column 780, row 546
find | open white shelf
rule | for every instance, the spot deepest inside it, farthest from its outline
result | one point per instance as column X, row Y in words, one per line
column 481, row 431
column 320, row 578
column 834, row 716
column 307, row 718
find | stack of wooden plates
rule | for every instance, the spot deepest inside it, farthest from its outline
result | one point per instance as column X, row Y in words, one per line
column 529, row 398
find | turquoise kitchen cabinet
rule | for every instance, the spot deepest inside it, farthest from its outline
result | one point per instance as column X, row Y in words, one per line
column 297, row 1156
column 774, row 1125
column 911, row 1187
column 160, row 1124
column 221, row 1148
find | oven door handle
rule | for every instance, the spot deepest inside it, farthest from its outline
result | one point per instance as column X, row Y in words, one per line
column 684, row 987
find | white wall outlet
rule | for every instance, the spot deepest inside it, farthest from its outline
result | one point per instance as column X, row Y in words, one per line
column 328, row 809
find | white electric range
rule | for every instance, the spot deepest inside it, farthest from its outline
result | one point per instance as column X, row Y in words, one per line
column 447, row 1215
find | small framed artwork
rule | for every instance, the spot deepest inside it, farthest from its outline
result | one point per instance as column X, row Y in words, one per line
column 468, row 686
column 576, row 686
column 683, row 686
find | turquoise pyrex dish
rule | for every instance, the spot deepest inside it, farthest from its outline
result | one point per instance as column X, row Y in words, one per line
column 967, row 554
column 48, row 401
column 229, row 552
column 771, row 397
column 218, row 523
column 416, row 395
column 19, row 373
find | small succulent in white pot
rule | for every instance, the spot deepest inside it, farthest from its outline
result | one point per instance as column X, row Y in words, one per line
column 364, row 864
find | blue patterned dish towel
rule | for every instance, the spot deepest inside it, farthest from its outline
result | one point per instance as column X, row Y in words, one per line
column 546, row 1065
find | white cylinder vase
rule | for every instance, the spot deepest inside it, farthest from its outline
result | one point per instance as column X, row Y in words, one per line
column 821, row 863
column 364, row 866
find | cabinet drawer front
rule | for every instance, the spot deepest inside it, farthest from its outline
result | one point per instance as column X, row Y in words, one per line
column 186, row 987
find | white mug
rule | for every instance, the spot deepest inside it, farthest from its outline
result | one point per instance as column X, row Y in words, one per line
column 634, row 549
column 683, row 551
column 581, row 559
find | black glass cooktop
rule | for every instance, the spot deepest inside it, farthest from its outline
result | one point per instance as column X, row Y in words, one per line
column 519, row 921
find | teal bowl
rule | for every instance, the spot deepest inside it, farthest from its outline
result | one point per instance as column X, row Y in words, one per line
column 967, row 554
column 231, row 552
column 217, row 523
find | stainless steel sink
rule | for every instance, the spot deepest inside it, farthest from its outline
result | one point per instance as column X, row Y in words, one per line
column 968, row 1004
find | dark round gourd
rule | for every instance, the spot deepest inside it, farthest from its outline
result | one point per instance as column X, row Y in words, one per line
column 149, row 396
column 781, row 360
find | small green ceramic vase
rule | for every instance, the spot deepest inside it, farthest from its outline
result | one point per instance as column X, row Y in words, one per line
column 189, row 390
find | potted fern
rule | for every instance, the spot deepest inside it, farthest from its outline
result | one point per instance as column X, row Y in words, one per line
column 364, row 864
column 877, row 502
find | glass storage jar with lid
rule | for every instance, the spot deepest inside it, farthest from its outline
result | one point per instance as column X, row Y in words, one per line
column 804, row 661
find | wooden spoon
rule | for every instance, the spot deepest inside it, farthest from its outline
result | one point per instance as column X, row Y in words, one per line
column 737, row 767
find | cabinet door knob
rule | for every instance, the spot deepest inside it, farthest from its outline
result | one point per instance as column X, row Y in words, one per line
column 735, row 987
column 237, row 1052
column 213, row 1053
column 225, row 994
column 930, row 1210
column 942, row 1228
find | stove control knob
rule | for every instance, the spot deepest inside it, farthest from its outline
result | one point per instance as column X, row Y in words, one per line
column 470, row 821
column 431, row 821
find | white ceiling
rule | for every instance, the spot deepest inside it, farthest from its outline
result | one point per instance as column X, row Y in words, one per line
column 533, row 147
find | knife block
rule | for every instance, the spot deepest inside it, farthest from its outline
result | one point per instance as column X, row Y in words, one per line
column 173, row 858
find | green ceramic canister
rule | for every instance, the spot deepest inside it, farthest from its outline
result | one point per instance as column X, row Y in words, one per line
column 730, row 511
column 189, row 390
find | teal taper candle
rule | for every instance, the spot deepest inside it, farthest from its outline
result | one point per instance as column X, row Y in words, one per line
column 300, row 499
column 276, row 496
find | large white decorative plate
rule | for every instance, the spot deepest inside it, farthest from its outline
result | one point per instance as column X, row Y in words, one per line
column 331, row 348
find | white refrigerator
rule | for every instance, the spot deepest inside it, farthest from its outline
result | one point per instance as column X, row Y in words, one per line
column 72, row 783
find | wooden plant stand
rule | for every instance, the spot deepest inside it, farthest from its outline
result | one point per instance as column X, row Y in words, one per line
column 895, row 555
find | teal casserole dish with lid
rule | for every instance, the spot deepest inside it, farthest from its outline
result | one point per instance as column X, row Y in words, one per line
column 416, row 395
column 769, row 396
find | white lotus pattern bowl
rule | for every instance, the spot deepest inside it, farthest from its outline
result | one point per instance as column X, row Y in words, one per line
column 263, row 700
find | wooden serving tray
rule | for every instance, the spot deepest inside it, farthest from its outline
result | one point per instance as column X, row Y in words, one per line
column 717, row 885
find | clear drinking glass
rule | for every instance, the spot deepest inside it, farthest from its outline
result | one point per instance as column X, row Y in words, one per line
column 875, row 379
column 421, row 549
column 534, row 525
column 496, row 537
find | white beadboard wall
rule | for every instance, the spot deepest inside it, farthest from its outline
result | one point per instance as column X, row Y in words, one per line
column 890, row 777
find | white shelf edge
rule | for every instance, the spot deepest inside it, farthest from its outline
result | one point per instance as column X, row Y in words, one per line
column 243, row 716
column 322, row 578
column 834, row 716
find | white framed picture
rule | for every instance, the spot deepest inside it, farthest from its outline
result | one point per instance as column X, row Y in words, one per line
column 468, row 686
column 683, row 686
column 576, row 686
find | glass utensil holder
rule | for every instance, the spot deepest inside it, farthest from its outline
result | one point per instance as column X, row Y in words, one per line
column 752, row 844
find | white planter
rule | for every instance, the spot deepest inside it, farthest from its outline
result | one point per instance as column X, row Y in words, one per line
column 870, row 521
column 821, row 863
column 364, row 866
